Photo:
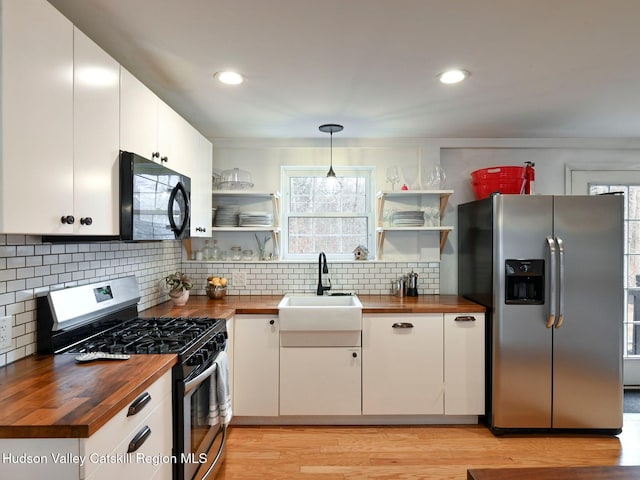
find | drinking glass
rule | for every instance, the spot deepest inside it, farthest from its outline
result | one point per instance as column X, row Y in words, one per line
column 393, row 176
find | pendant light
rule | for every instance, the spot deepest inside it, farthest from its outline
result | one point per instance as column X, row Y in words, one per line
column 331, row 184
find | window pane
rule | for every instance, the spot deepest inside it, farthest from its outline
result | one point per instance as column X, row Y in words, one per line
column 634, row 202
column 308, row 195
column 330, row 235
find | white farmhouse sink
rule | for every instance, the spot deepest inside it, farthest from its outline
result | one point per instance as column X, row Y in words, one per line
column 311, row 313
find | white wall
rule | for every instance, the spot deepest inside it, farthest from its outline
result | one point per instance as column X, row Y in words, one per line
column 553, row 165
column 458, row 157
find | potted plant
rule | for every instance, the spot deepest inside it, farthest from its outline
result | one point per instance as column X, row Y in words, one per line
column 179, row 285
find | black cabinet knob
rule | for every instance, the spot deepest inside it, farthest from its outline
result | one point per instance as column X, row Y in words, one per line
column 354, row 355
column 164, row 159
column 272, row 322
column 86, row 221
column 201, row 229
column 155, row 155
column 67, row 220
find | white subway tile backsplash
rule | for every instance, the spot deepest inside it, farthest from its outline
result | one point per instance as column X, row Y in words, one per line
column 281, row 277
column 30, row 268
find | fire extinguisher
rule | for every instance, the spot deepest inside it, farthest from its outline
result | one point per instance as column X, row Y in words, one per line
column 529, row 177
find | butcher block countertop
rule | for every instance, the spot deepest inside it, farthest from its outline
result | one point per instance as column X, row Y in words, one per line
column 226, row 307
column 53, row 396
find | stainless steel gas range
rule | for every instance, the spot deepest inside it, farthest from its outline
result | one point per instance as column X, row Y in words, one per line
column 103, row 317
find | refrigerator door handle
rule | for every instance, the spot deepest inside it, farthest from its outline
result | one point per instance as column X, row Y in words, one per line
column 560, row 283
column 552, row 282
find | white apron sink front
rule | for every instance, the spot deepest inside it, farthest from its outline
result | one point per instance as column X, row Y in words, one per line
column 310, row 313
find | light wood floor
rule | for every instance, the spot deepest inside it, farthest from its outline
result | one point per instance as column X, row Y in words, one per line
column 421, row 452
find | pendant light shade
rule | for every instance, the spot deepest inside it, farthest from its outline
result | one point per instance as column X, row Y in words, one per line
column 331, row 184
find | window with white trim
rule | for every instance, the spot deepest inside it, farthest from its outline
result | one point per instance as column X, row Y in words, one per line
column 316, row 219
column 631, row 260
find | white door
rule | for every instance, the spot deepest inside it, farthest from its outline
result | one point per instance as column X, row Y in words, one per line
column 138, row 117
column 628, row 181
column 320, row 381
column 256, row 352
column 464, row 363
column 96, row 128
column 37, row 118
column 402, row 364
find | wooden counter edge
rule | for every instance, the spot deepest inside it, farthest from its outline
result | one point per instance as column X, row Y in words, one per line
column 86, row 430
column 608, row 472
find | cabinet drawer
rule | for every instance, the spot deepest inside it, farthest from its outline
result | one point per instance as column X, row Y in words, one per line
column 153, row 457
column 123, row 424
column 114, row 437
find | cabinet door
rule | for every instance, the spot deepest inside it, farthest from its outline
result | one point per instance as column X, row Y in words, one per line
column 176, row 142
column 138, row 117
column 255, row 365
column 230, row 343
column 320, row 381
column 96, row 126
column 402, row 364
column 464, row 363
column 37, row 118
column 201, row 201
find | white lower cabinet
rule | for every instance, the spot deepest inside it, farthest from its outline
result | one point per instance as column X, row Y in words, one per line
column 152, row 425
column 320, row 381
column 408, row 364
column 402, row 364
column 464, row 335
column 230, row 337
column 102, row 455
column 256, row 353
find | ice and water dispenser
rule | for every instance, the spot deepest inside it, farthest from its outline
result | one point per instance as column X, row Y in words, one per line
column 524, row 282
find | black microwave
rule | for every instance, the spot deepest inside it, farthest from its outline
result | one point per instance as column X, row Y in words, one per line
column 154, row 200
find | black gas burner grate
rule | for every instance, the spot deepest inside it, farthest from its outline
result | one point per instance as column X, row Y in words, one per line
column 149, row 335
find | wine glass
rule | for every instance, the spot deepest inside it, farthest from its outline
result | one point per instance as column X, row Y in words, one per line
column 436, row 178
column 393, row 176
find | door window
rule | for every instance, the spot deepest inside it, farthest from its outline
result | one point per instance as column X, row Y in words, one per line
column 595, row 182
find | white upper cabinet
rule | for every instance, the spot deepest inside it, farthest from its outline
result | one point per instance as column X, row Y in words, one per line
column 152, row 129
column 37, row 119
column 96, row 138
column 201, row 201
column 138, row 117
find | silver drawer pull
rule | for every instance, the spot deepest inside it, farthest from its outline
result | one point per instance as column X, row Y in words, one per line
column 465, row 318
column 138, row 404
column 139, row 439
column 402, row 325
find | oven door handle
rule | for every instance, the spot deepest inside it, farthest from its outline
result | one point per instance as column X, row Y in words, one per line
column 191, row 384
column 218, row 455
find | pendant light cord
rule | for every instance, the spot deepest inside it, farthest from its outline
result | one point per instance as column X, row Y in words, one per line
column 330, row 128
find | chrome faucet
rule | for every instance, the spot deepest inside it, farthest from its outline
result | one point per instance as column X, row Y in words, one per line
column 322, row 268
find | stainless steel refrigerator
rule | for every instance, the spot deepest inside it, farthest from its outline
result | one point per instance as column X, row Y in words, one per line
column 550, row 271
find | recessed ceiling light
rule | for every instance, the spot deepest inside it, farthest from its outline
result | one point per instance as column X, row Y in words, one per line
column 229, row 78
column 453, row 76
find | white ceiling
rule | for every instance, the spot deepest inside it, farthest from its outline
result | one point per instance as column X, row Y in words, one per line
column 540, row 68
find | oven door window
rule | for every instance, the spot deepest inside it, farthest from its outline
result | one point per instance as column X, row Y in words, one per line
column 200, row 437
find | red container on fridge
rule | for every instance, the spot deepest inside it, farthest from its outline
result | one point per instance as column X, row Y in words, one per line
column 498, row 180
